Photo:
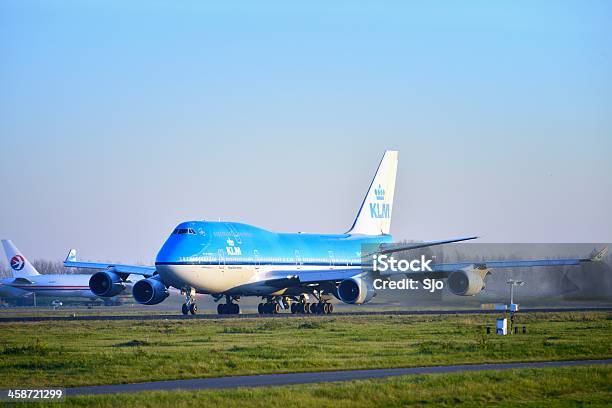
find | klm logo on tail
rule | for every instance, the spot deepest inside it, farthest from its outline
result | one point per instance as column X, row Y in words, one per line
column 379, row 210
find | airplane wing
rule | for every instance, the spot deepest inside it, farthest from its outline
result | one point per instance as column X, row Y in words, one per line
column 391, row 248
column 295, row 277
column 450, row 267
column 71, row 262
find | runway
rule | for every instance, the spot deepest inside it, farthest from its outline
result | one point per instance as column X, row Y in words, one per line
column 14, row 319
column 309, row 378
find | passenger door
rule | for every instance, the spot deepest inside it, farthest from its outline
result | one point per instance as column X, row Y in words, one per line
column 256, row 259
column 221, row 259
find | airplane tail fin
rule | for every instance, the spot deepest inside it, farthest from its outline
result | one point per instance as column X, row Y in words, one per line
column 20, row 266
column 374, row 216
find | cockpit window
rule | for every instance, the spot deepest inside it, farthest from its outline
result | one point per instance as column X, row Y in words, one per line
column 182, row 231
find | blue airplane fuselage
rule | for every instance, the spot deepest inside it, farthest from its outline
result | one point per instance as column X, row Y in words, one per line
column 214, row 257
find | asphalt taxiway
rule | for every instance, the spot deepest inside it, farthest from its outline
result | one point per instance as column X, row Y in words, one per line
column 314, row 377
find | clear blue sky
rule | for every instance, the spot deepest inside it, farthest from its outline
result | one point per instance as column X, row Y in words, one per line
column 118, row 121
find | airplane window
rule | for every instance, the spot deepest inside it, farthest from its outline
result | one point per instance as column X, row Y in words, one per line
column 183, row 231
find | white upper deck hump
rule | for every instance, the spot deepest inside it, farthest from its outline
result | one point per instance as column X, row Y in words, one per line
column 374, row 216
column 18, row 263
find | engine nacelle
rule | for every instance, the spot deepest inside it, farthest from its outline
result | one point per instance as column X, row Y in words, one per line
column 466, row 282
column 106, row 284
column 355, row 290
column 150, row 291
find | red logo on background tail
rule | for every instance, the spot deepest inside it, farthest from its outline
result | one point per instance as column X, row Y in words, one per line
column 17, row 262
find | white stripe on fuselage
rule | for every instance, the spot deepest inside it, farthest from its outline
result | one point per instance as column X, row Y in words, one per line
column 246, row 279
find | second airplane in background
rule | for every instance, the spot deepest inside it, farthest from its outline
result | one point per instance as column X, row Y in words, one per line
column 26, row 280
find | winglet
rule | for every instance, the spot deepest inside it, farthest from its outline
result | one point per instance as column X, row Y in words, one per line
column 72, row 256
column 599, row 255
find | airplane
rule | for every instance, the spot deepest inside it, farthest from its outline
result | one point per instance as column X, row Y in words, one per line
column 232, row 260
column 26, row 280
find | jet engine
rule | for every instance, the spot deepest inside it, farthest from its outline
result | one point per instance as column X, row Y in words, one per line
column 106, row 284
column 467, row 282
column 150, row 291
column 355, row 290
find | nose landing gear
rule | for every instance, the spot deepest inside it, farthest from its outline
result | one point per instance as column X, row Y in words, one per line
column 189, row 306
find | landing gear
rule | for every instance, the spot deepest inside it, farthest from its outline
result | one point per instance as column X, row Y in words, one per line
column 193, row 308
column 189, row 306
column 268, row 308
column 302, row 308
column 273, row 308
column 274, row 305
column 229, row 307
column 314, row 308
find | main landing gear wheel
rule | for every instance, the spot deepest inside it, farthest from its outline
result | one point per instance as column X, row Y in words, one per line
column 193, row 309
column 268, row 308
column 313, row 308
column 185, row 309
column 228, row 308
column 324, row 308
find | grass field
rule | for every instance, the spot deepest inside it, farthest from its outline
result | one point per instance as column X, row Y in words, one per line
column 574, row 386
column 105, row 352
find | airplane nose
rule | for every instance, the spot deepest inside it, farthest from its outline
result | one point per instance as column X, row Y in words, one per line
column 169, row 252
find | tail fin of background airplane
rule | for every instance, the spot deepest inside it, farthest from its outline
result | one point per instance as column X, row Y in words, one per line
column 20, row 266
column 374, row 216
